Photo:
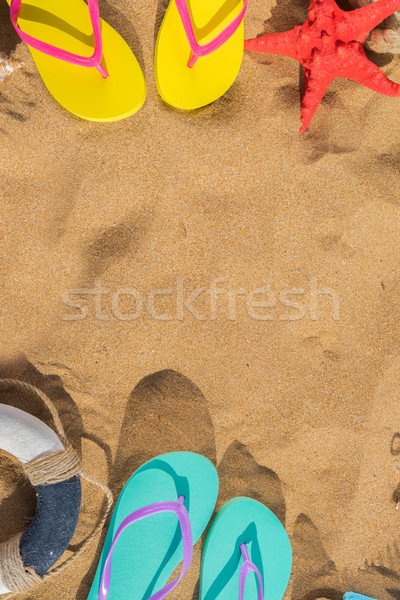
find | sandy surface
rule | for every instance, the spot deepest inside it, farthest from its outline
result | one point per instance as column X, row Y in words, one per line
column 297, row 402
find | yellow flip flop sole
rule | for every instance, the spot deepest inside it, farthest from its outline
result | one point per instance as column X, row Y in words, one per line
column 212, row 75
column 82, row 90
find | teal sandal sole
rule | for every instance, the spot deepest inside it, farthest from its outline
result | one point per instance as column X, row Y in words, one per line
column 149, row 551
column 243, row 520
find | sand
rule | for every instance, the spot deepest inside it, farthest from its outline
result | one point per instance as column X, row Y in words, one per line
column 297, row 404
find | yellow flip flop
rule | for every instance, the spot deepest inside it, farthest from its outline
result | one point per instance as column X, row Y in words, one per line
column 85, row 64
column 199, row 51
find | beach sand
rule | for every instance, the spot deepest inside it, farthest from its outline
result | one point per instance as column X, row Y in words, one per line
column 296, row 402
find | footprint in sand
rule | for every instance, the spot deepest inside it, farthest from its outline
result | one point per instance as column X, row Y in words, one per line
column 165, row 412
column 314, row 572
column 382, row 162
column 241, row 475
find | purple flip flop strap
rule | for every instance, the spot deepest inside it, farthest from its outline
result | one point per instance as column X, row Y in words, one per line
column 199, row 50
column 249, row 567
column 147, row 511
column 84, row 61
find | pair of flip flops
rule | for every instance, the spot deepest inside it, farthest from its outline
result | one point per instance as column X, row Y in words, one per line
column 247, row 553
column 91, row 71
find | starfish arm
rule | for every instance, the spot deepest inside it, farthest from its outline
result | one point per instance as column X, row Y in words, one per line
column 284, row 44
column 315, row 86
column 372, row 77
column 363, row 20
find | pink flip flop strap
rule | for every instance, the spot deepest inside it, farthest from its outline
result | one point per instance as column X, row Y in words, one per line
column 199, row 50
column 84, row 61
column 142, row 513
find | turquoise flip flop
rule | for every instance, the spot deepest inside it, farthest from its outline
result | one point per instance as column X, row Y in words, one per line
column 145, row 541
column 247, row 554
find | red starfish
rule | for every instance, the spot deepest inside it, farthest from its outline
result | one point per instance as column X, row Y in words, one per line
column 329, row 45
